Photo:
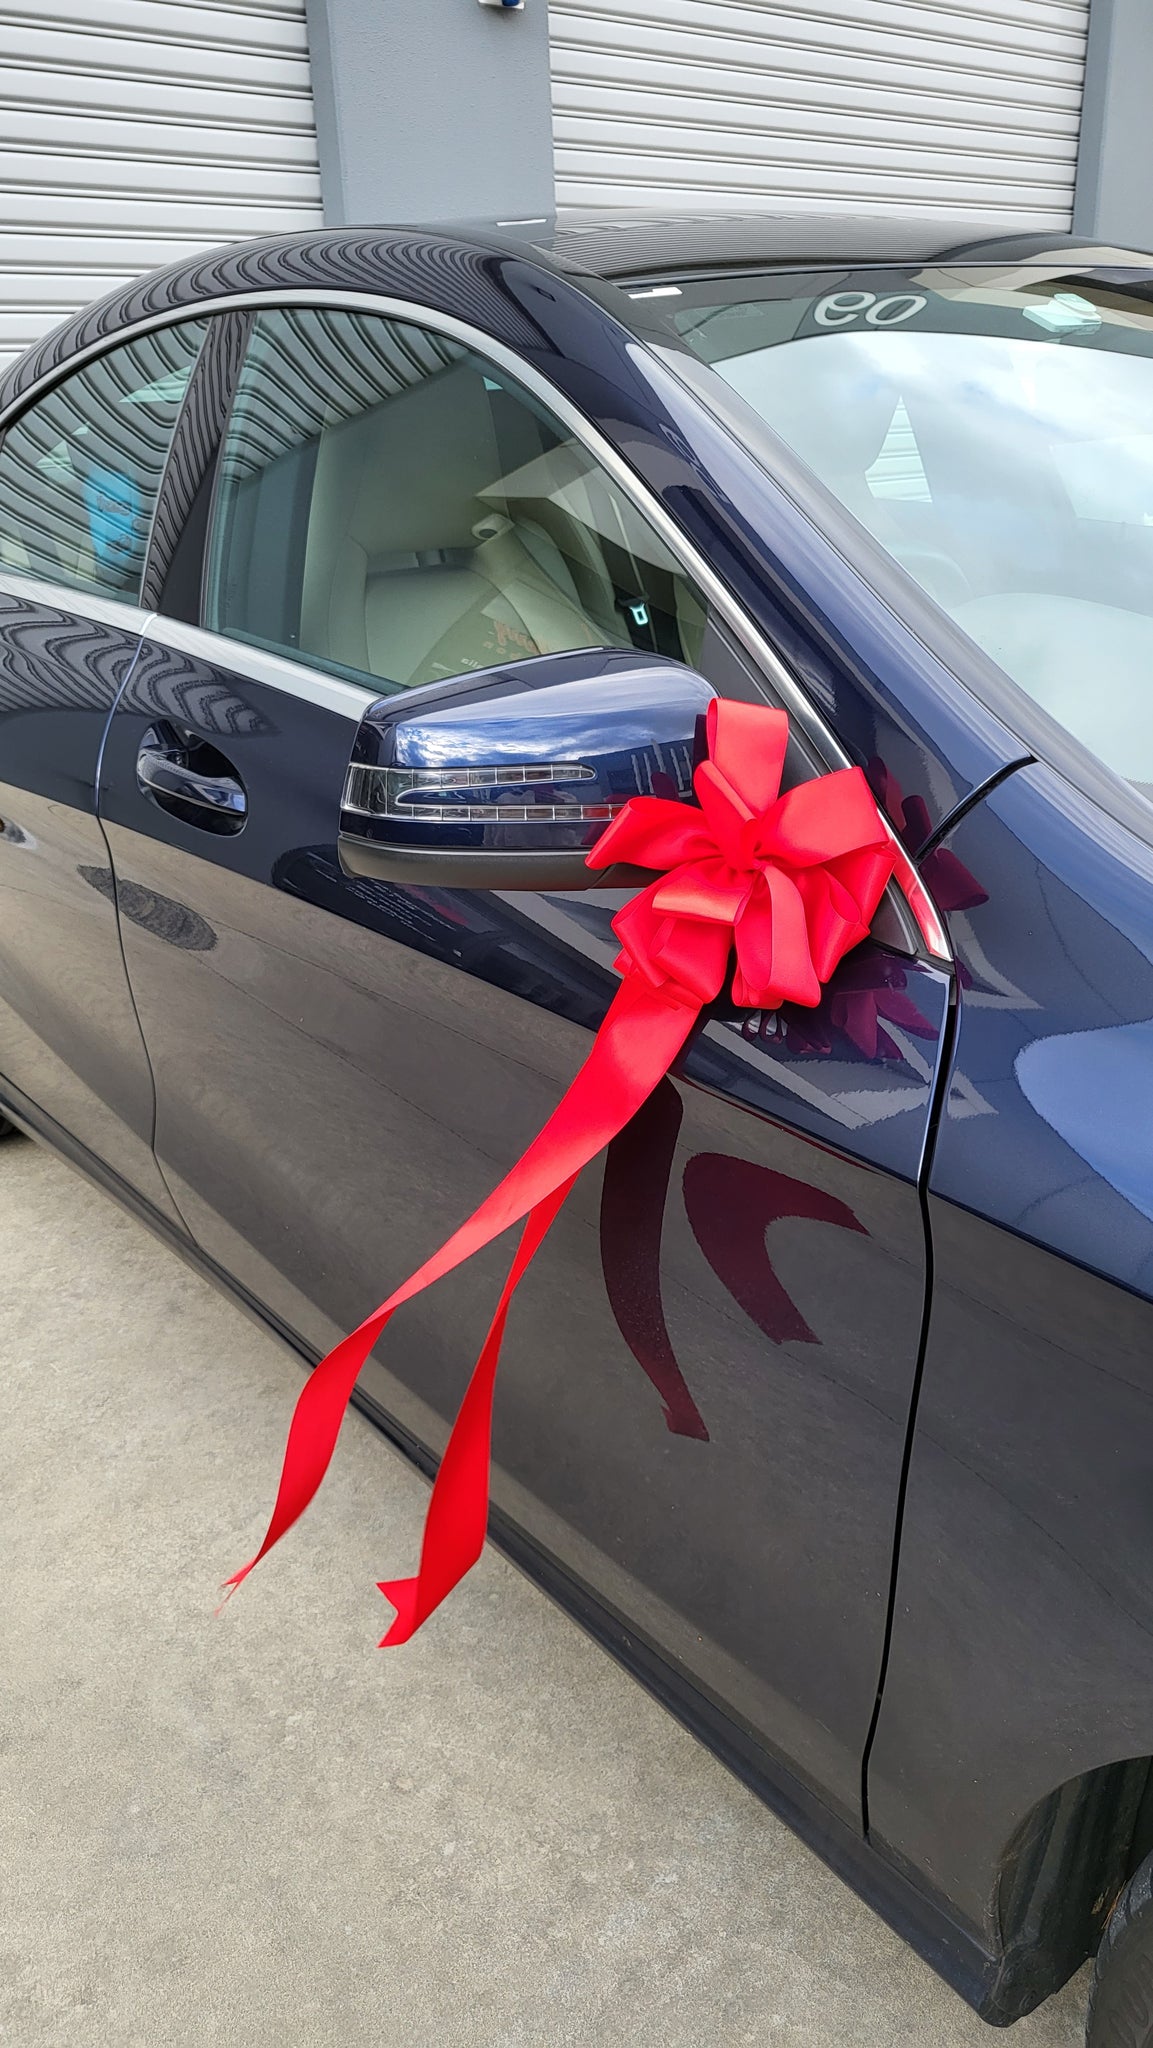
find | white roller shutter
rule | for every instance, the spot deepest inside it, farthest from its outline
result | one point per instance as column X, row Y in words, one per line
column 876, row 105
column 133, row 132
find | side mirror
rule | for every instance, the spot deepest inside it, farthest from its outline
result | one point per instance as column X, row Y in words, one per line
column 504, row 780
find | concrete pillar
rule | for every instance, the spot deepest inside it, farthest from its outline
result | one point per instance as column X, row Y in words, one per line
column 431, row 110
column 1114, row 192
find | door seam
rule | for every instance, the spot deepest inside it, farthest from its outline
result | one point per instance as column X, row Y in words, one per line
column 128, row 674
column 941, row 1087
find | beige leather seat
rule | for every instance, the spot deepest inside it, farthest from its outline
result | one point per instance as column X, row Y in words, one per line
column 415, row 565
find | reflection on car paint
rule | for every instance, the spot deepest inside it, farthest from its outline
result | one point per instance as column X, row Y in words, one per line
column 179, row 687
column 866, row 1015
column 731, row 1204
column 173, row 922
column 947, row 879
column 52, row 657
column 1087, row 1084
column 634, row 1193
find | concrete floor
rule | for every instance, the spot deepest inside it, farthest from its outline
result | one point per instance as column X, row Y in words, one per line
column 256, row 1830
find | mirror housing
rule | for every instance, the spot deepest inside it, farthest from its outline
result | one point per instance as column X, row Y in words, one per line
column 505, row 779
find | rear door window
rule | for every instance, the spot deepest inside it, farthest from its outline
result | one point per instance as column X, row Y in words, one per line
column 80, row 471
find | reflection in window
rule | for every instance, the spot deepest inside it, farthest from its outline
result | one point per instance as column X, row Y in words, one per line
column 896, row 470
column 992, row 432
column 80, row 471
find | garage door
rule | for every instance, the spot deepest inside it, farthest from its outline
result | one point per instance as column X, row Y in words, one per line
column 884, row 105
column 133, row 132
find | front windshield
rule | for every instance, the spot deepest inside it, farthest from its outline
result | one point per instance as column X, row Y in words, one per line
column 994, row 432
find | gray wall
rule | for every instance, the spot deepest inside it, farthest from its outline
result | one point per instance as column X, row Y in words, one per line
column 431, row 109
column 1114, row 197
column 440, row 109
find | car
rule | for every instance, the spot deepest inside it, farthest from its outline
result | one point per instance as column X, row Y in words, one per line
column 349, row 582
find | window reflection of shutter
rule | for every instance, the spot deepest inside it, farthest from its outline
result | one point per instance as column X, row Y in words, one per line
column 138, row 131
column 866, row 105
column 79, row 471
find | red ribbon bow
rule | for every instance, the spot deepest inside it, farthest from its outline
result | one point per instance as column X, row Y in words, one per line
column 790, row 880
column 793, row 882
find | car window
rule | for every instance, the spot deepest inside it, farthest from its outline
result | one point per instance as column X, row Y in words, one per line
column 392, row 505
column 80, row 471
column 993, row 431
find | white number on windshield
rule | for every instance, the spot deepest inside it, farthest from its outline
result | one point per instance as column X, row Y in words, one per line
column 841, row 309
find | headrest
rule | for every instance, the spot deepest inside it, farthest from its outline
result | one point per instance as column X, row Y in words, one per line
column 391, row 479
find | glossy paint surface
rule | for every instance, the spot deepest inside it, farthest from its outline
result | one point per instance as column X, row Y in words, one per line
column 625, row 726
column 69, row 1041
column 705, row 1389
column 1023, row 1646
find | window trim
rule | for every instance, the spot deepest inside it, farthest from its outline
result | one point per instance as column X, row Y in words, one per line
column 224, row 346
column 64, row 597
column 261, row 665
column 760, row 651
column 182, row 410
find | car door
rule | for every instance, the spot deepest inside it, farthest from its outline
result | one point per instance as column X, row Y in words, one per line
column 706, row 1385
column 80, row 470
column 1022, row 1654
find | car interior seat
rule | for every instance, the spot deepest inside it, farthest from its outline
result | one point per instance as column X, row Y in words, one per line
column 418, row 563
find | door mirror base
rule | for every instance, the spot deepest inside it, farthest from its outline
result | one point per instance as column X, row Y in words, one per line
column 430, row 867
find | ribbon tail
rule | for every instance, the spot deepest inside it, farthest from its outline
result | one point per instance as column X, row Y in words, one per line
column 313, row 1431
column 636, row 1045
column 457, row 1520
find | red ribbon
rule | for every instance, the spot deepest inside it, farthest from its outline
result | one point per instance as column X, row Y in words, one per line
column 792, row 882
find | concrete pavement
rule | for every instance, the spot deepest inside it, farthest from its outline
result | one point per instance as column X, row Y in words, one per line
column 257, row 1830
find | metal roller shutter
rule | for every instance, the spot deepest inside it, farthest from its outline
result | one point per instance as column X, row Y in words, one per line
column 133, row 132
column 876, row 105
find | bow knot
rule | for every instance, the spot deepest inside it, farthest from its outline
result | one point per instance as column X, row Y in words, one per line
column 792, row 881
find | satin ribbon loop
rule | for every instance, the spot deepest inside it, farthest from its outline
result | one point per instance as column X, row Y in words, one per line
column 787, row 884
column 791, row 879
column 818, row 821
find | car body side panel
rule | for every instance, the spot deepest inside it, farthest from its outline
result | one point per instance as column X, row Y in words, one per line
column 70, row 1043
column 1023, row 1642
column 707, row 1378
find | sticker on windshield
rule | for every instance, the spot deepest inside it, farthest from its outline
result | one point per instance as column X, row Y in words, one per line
column 841, row 309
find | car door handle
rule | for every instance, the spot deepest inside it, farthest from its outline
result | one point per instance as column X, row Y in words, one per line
column 191, row 780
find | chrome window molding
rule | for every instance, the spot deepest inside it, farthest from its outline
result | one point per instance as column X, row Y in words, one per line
column 90, row 604
column 259, row 665
column 330, row 692
column 781, row 681
column 173, row 441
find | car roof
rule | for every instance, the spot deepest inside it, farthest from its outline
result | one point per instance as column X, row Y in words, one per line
column 451, row 264
column 624, row 245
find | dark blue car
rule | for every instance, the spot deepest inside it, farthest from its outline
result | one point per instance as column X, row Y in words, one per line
column 348, row 584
